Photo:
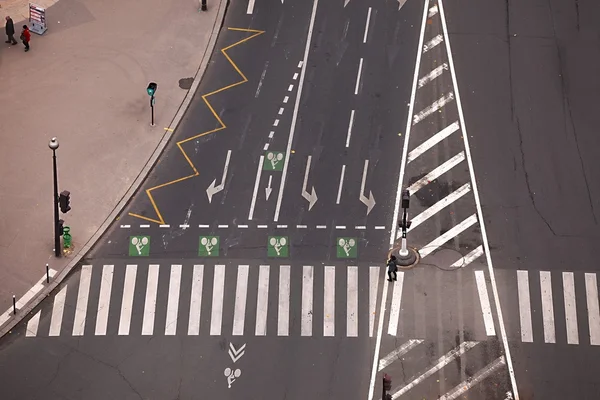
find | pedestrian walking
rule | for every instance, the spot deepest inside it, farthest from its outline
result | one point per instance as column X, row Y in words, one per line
column 26, row 37
column 10, row 31
column 392, row 268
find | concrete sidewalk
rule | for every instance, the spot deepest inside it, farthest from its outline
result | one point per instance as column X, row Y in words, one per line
column 84, row 81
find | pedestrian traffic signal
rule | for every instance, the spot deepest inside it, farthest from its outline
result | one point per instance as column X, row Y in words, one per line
column 64, row 200
column 61, row 228
column 152, row 88
column 387, row 382
column 405, row 198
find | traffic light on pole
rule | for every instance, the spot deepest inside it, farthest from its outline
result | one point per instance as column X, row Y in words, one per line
column 61, row 227
column 151, row 89
column 64, row 200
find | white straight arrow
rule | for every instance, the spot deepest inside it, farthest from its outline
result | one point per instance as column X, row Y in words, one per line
column 236, row 354
column 268, row 189
column 312, row 197
column 370, row 201
column 212, row 189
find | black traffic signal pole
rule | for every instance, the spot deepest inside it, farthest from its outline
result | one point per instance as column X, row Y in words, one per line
column 56, row 228
column 152, row 108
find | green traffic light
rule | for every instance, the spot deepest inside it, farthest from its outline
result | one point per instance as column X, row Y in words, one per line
column 151, row 89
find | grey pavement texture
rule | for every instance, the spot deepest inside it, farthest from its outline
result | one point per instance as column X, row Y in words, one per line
column 84, row 82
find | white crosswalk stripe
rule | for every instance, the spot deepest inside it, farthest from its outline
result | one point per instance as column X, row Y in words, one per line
column 307, row 300
column 57, row 312
column 173, row 301
column 104, row 300
column 82, row 300
column 217, row 300
column 150, row 303
column 283, row 321
column 262, row 301
column 241, row 292
column 352, row 302
column 196, row 300
column 127, row 304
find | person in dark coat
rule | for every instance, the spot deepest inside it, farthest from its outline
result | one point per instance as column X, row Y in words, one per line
column 10, row 31
column 26, row 37
column 392, row 268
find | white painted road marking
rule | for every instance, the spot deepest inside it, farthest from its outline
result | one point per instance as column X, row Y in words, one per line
column 33, row 325
column 104, row 300
column 547, row 307
column 469, row 258
column 358, row 76
column 310, row 197
column 127, row 301
column 432, row 141
column 432, row 43
column 570, row 308
column 399, row 352
column 196, row 300
column 173, row 301
column 433, row 74
column 352, row 302
column 307, row 300
column 373, row 287
column 256, row 183
column 367, row 201
column 396, row 302
column 367, row 26
column 150, row 304
column 350, row 125
column 453, row 232
column 250, row 9
column 241, row 292
column 216, row 316
column 339, row 193
column 436, row 173
column 329, row 301
column 480, row 375
column 440, row 205
column 435, row 106
column 283, row 319
column 58, row 309
column 262, row 301
column 83, row 295
column 484, row 300
column 591, row 291
column 524, row 306
column 432, row 11
column 212, row 189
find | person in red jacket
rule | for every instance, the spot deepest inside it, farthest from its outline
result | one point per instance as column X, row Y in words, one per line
column 26, row 37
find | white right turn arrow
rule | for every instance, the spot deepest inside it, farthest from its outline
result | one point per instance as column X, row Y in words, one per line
column 370, row 201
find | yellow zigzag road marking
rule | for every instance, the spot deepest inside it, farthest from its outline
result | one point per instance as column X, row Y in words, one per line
column 160, row 219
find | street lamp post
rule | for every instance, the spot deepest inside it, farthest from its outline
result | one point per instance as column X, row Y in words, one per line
column 53, row 146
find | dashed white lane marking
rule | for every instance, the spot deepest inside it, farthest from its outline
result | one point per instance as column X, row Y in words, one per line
column 280, row 112
column 266, row 147
column 436, row 173
column 396, row 305
column 339, row 193
column 262, row 301
column 295, row 76
column 243, row 226
column 350, row 128
column 223, row 226
column 435, row 106
column 367, row 26
column 432, row 141
column 480, row 375
column 33, row 325
column 329, row 301
column 453, row 232
column 301, row 226
column 282, row 226
column 173, row 301
column 440, row 205
column 203, row 226
column 58, row 310
column 241, row 293
column 373, row 287
column 432, row 75
column 216, row 317
column 524, row 306
column 380, row 227
column 358, row 75
column 570, row 308
column 261, row 226
column 290, row 88
column 276, row 122
column 307, row 301
column 150, row 304
column 164, row 226
column 283, row 314
column 399, row 352
column 432, row 43
column 432, row 11
column 125, row 226
column 83, row 295
column 285, row 99
column 340, row 227
column 196, row 300
column 145, row 226
column 352, row 302
column 271, row 134
column 469, row 258
column 300, row 64
column 127, row 302
column 547, row 307
column 360, row 227
column 321, row 226
column 591, row 291
column 184, row 226
column 484, row 300
column 256, row 183
column 250, row 9
column 104, row 300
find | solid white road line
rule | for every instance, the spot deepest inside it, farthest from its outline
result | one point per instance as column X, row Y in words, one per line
column 256, row 183
column 373, row 287
column 432, row 11
column 591, row 291
column 396, row 302
column 104, row 299
column 524, row 306
column 350, row 125
column 329, row 301
column 241, row 292
column 33, row 325
column 262, row 301
column 283, row 313
column 173, row 300
column 547, row 306
column 196, row 300
column 484, row 300
column 570, row 308
column 352, row 302
column 436, row 173
column 453, row 232
column 250, row 9
column 441, row 363
column 367, row 26
column 432, row 75
column 432, row 43
column 82, row 300
column 296, row 108
column 150, row 303
column 480, row 375
column 432, row 141
column 435, row 106
column 58, row 309
column 358, row 75
column 127, row 301
column 469, row 258
column 399, row 352
column 440, row 205
column 339, row 193
column 216, row 316
column 307, row 300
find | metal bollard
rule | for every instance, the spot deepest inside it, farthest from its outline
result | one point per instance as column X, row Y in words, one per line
column 204, row 8
column 14, row 305
column 47, row 274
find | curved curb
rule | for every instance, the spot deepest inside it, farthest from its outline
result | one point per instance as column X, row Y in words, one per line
column 22, row 313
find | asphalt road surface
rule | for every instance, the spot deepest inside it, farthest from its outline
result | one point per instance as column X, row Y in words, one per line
column 252, row 262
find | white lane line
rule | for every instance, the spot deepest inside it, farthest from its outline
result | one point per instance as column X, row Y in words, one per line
column 285, row 100
column 367, row 26
column 350, row 125
column 547, row 306
column 455, row 231
column 164, row 226
column 436, row 173
column 399, row 352
column 262, row 301
column 469, row 258
column 125, row 226
column 441, row 363
column 272, row 133
column 435, row 106
column 396, row 302
column 432, row 11
column 480, row 375
column 340, row 227
column 440, row 205
column 432, row 141
column 145, row 226
column 184, row 226
column 380, row 227
column 256, row 183
column 58, row 309
column 262, row 78
column 280, row 111
column 33, row 325
column 223, row 226
column 484, row 300
column 490, row 265
column 173, row 300
column 301, row 226
column 339, row 193
column 290, row 88
column 216, row 315
column 150, row 303
column 329, row 301
column 295, row 76
column 432, row 43
column 358, row 75
column 352, row 302
column 591, row 292
column 432, row 75
column 295, row 112
column 307, row 300
column 282, row 226
column 204, row 226
column 266, row 147
column 83, row 295
column 276, row 122
column 262, row 226
column 373, row 287
column 524, row 306
column 104, row 299
column 321, row 226
column 243, row 226
column 570, row 308
column 127, row 300
column 241, row 293
column 196, row 300
column 250, row 9
column 360, row 227
column 283, row 312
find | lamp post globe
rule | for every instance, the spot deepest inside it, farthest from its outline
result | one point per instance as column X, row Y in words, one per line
column 53, row 144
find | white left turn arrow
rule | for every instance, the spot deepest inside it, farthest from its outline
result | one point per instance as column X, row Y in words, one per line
column 311, row 197
column 212, row 189
column 368, row 201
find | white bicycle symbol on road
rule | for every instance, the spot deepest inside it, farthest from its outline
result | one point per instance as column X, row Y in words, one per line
column 209, row 244
column 232, row 375
column 278, row 244
column 347, row 245
column 274, row 159
column 139, row 244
